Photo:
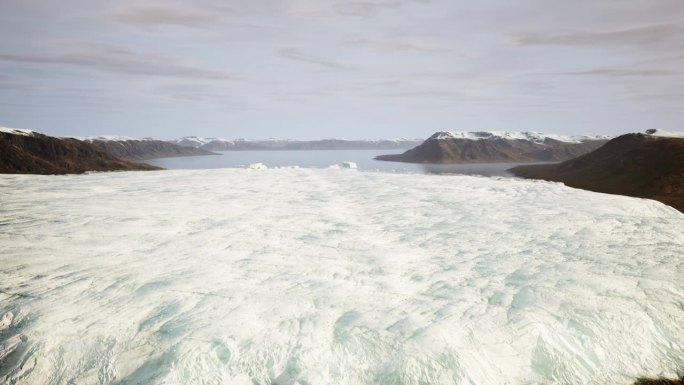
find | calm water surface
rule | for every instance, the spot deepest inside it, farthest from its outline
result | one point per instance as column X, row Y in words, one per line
column 324, row 159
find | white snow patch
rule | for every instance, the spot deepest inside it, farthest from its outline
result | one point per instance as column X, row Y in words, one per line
column 665, row 134
column 110, row 138
column 514, row 135
column 302, row 276
column 257, row 166
column 17, row 131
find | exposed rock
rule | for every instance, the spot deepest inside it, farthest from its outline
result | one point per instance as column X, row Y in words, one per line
column 140, row 149
column 486, row 147
column 29, row 152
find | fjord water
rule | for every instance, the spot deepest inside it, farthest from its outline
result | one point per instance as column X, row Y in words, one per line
column 324, row 159
column 305, row 276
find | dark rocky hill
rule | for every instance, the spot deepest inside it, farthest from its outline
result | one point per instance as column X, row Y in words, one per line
column 489, row 148
column 28, row 152
column 638, row 165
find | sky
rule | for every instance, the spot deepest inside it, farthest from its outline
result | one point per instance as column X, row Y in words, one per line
column 313, row 69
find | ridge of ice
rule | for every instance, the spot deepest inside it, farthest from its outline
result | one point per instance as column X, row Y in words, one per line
column 532, row 136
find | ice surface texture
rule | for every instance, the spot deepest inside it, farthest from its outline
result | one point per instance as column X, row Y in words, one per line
column 299, row 276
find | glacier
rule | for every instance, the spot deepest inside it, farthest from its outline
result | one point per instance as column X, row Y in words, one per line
column 306, row 276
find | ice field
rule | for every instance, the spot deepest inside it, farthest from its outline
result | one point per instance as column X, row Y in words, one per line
column 313, row 277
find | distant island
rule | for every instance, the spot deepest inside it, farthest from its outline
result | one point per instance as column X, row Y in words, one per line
column 649, row 165
column 450, row 147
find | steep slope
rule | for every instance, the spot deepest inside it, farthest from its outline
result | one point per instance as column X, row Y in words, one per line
column 496, row 147
column 29, row 152
column 140, row 149
column 638, row 165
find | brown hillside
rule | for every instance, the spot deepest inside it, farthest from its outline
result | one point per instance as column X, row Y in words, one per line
column 636, row 165
column 145, row 149
column 36, row 153
column 453, row 151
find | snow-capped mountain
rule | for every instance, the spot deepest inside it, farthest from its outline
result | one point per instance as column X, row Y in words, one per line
column 219, row 144
column 126, row 147
column 497, row 147
column 537, row 137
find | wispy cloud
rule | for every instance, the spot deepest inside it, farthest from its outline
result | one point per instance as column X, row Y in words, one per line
column 166, row 14
column 116, row 59
column 396, row 45
column 620, row 72
column 370, row 8
column 292, row 53
column 636, row 36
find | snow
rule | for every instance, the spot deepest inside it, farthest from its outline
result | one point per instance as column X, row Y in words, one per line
column 257, row 166
column 17, row 131
column 512, row 135
column 197, row 141
column 110, row 138
column 665, row 134
column 303, row 276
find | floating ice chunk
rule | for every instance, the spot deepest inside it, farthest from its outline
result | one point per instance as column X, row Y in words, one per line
column 257, row 166
column 344, row 166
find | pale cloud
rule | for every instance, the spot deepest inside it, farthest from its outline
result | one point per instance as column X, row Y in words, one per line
column 621, row 72
column 148, row 15
column 293, row 53
column 396, row 45
column 371, row 8
column 634, row 36
column 115, row 59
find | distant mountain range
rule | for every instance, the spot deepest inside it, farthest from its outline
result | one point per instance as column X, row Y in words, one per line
column 29, row 152
column 141, row 149
column 647, row 165
column 497, row 147
column 217, row 144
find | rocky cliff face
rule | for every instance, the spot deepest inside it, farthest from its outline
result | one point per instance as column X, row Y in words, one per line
column 645, row 166
column 495, row 148
column 28, row 152
column 132, row 149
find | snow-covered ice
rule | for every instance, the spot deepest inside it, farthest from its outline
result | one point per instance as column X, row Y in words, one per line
column 301, row 276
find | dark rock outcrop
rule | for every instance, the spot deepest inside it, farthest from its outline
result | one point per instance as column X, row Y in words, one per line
column 35, row 153
column 443, row 149
column 145, row 149
column 637, row 165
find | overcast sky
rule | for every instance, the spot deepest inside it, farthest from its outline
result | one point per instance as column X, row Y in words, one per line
column 311, row 69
